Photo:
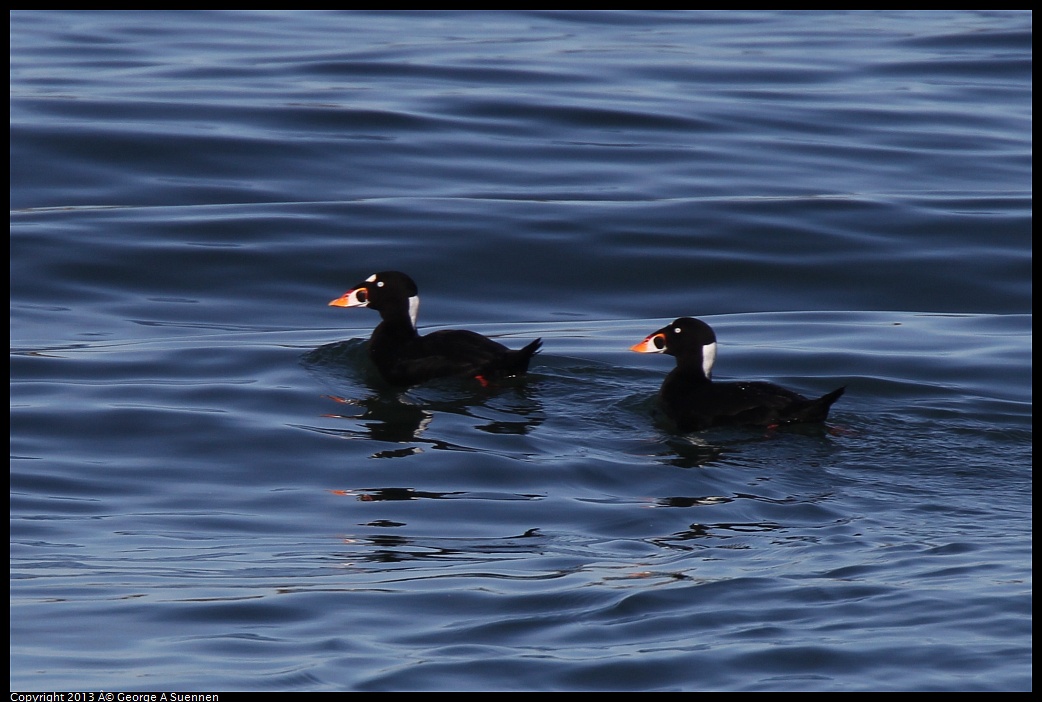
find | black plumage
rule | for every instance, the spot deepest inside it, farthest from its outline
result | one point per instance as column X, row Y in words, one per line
column 405, row 357
column 693, row 401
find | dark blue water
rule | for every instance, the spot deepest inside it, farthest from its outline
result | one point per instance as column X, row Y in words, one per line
column 211, row 489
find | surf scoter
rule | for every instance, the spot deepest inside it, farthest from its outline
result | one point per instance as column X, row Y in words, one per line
column 693, row 401
column 403, row 357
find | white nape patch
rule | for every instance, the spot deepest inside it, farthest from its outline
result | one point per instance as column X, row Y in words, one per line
column 371, row 279
column 414, row 309
column 708, row 359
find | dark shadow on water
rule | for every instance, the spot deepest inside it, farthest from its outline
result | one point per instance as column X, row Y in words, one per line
column 395, row 415
column 400, row 493
column 393, row 548
column 719, row 535
column 718, row 445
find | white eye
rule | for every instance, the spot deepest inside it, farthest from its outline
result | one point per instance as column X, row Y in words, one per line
column 676, row 330
column 379, row 283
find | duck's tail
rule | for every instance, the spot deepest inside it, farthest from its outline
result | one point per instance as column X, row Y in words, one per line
column 519, row 360
column 818, row 410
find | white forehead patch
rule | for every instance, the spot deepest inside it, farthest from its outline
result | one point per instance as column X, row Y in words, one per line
column 371, row 279
column 708, row 359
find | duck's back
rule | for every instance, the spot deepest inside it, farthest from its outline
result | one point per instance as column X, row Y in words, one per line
column 447, row 353
column 703, row 403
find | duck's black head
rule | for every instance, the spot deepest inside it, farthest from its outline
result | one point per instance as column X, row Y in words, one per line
column 388, row 292
column 689, row 340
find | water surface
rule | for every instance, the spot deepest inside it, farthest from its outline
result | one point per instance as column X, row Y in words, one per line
column 211, row 489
